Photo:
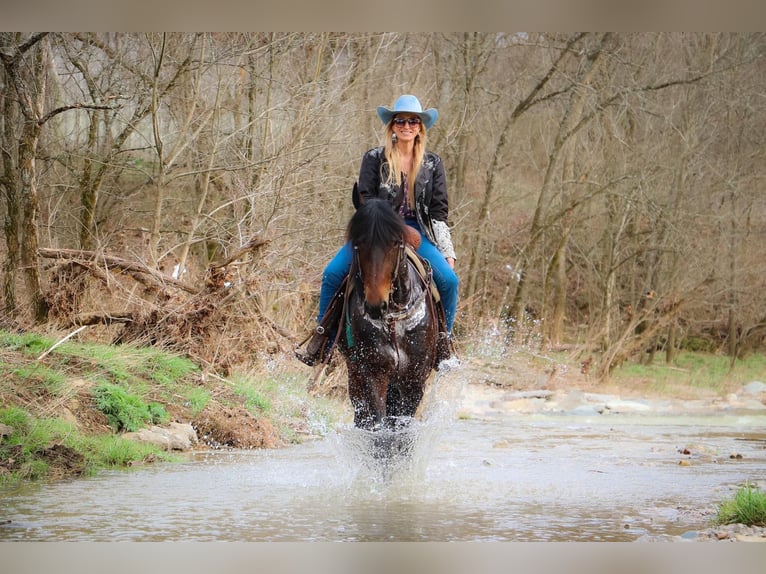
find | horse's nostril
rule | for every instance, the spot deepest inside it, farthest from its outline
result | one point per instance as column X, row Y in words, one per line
column 373, row 311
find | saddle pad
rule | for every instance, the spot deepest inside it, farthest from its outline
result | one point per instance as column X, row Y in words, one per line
column 424, row 269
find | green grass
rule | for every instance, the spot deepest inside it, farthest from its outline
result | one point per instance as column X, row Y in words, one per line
column 126, row 411
column 48, row 379
column 748, row 506
column 283, row 398
column 197, row 399
column 28, row 343
column 141, row 371
column 255, row 396
column 118, row 363
column 37, row 433
column 23, row 453
column 128, row 364
column 109, row 451
column 133, row 387
column 695, row 371
column 164, row 368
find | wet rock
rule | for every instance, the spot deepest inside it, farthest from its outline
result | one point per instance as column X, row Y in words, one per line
column 535, row 394
column 526, row 406
column 174, row 436
column 568, row 401
column 749, row 538
column 754, row 388
column 725, row 533
column 623, row 406
column 730, row 533
column 587, row 410
column 745, row 403
column 659, row 538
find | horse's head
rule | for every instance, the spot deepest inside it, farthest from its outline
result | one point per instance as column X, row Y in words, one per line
column 377, row 233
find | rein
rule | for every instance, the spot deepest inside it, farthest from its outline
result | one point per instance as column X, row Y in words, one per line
column 405, row 311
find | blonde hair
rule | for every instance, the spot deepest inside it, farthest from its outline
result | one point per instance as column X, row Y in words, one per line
column 394, row 161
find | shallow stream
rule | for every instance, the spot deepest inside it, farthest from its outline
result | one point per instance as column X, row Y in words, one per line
column 500, row 477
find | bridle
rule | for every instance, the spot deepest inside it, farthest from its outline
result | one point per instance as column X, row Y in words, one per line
column 396, row 312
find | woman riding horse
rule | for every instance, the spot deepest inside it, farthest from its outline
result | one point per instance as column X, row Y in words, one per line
column 389, row 328
column 413, row 180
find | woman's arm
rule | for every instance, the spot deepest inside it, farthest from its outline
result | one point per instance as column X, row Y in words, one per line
column 438, row 209
column 368, row 184
column 443, row 239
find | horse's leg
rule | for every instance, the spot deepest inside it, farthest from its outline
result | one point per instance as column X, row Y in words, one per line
column 407, row 399
column 393, row 401
column 368, row 397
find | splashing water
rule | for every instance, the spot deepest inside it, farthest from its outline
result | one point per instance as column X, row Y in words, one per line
column 387, row 459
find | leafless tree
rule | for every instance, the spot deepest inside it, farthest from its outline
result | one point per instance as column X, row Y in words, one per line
column 604, row 188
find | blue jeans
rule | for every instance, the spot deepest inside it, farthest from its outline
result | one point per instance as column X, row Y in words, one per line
column 445, row 277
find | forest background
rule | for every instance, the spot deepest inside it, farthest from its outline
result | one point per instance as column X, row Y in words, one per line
column 187, row 189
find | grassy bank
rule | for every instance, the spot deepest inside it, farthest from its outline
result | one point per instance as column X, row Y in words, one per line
column 64, row 407
column 691, row 374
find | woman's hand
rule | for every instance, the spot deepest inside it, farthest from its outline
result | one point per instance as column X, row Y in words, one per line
column 451, row 262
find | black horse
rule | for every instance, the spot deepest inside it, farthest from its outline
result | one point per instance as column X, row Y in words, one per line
column 390, row 327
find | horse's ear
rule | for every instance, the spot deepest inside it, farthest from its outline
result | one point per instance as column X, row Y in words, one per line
column 356, row 198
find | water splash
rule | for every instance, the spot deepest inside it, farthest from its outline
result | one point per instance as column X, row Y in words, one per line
column 396, row 459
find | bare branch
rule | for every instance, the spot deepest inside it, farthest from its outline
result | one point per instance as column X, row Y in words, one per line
column 77, row 106
column 251, row 245
column 10, row 56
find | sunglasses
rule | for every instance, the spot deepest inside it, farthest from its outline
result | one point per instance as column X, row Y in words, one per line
column 402, row 121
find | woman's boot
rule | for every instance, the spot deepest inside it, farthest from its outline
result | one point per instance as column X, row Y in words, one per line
column 315, row 348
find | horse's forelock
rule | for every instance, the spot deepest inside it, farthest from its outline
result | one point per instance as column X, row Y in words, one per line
column 375, row 223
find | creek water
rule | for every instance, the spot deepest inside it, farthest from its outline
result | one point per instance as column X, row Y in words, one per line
column 500, row 477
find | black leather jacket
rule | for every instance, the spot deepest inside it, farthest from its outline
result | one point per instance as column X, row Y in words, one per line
column 430, row 189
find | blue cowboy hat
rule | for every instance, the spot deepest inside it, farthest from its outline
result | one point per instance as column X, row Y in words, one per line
column 409, row 105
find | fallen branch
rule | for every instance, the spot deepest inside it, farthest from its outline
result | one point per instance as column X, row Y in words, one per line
column 251, row 245
column 86, row 319
column 110, row 261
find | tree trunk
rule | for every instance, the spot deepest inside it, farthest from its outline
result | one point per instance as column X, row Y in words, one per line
column 10, row 185
column 29, row 87
column 29, row 243
column 88, row 191
column 559, row 287
column 479, row 250
column 568, row 126
column 159, row 186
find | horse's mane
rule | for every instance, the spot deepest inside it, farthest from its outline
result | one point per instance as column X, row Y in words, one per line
column 375, row 223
